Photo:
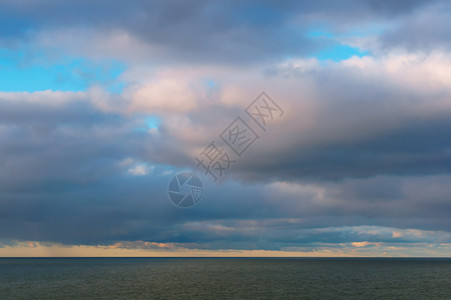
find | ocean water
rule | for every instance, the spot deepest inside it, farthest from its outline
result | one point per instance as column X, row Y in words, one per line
column 224, row 278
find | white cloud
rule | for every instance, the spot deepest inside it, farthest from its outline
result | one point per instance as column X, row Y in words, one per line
column 140, row 170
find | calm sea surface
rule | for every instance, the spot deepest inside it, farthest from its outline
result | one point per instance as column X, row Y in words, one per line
column 230, row 278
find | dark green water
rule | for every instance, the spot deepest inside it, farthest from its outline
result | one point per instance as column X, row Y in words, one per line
column 230, row 278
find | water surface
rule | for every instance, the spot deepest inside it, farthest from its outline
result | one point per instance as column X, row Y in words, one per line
column 232, row 278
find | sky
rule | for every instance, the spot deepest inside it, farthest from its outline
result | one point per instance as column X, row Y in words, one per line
column 103, row 103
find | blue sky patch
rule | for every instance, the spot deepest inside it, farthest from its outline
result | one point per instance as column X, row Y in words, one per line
column 340, row 52
column 335, row 50
column 20, row 74
column 149, row 122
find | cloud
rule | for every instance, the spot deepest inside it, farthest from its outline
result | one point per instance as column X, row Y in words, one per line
column 139, row 170
column 359, row 164
column 164, row 96
column 344, row 159
column 198, row 31
column 330, row 130
column 361, row 244
column 426, row 30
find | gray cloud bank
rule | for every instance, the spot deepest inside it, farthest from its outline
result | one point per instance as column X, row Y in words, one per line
column 229, row 32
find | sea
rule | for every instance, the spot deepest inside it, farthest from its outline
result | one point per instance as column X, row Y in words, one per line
column 225, row 278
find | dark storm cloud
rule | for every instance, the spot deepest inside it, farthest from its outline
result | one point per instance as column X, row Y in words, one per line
column 118, row 208
column 419, row 149
column 50, row 145
column 208, row 31
column 60, row 164
column 427, row 30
